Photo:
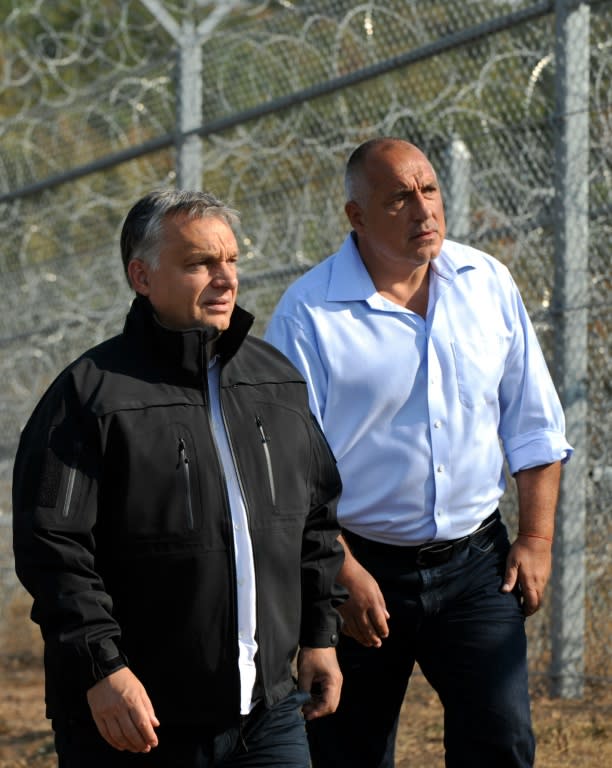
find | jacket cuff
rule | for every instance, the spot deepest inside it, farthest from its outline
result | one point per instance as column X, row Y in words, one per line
column 323, row 637
column 107, row 659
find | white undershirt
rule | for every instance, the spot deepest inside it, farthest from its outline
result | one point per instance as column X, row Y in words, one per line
column 245, row 566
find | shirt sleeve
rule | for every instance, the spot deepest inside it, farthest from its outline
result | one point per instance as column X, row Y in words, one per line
column 289, row 335
column 532, row 423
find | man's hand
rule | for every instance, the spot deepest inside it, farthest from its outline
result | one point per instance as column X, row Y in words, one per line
column 365, row 612
column 319, row 674
column 529, row 563
column 123, row 712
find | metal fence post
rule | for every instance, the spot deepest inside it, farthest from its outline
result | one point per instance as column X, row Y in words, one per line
column 189, row 162
column 570, row 304
column 458, row 202
column 189, row 39
column 189, row 95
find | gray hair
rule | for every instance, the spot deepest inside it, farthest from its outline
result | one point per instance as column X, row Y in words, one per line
column 141, row 235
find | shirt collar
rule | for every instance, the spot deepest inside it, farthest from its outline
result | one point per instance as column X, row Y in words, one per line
column 454, row 259
column 350, row 280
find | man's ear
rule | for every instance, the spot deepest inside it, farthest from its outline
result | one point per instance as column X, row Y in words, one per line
column 354, row 215
column 138, row 273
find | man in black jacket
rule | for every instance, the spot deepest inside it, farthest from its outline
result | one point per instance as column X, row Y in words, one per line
column 174, row 520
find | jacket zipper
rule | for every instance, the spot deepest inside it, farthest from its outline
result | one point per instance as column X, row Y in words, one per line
column 71, row 478
column 264, row 442
column 232, row 552
column 184, row 460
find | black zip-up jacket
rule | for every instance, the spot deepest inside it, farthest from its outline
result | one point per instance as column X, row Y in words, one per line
column 122, row 528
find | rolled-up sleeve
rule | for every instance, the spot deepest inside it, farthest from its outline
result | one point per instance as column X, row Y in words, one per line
column 532, row 423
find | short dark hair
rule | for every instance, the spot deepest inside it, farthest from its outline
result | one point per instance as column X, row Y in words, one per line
column 142, row 228
column 353, row 176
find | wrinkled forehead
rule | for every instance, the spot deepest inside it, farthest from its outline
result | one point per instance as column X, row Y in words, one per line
column 399, row 163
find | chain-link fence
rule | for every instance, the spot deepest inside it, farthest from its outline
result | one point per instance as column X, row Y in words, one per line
column 261, row 102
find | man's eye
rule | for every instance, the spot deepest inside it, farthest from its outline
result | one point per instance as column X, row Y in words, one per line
column 197, row 265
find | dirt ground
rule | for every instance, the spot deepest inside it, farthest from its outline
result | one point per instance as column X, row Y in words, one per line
column 570, row 733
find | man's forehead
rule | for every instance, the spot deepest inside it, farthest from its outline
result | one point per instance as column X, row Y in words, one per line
column 411, row 171
column 419, row 176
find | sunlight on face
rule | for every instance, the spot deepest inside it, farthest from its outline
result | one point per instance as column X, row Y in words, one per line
column 195, row 283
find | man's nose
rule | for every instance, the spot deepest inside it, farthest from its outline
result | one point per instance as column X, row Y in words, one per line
column 422, row 206
column 226, row 273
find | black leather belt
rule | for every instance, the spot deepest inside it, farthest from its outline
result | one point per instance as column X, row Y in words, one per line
column 426, row 555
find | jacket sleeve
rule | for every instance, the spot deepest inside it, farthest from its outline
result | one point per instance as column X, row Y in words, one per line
column 55, row 485
column 322, row 553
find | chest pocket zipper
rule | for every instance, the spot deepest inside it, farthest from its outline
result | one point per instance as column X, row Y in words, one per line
column 183, row 461
column 264, row 442
column 72, row 472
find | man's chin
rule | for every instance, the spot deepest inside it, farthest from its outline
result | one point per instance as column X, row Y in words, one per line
column 426, row 254
column 216, row 324
column 218, row 320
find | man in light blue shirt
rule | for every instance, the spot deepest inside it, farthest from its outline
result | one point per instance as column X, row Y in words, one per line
column 424, row 371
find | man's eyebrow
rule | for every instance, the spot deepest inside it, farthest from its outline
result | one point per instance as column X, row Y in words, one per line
column 402, row 188
column 201, row 253
column 197, row 253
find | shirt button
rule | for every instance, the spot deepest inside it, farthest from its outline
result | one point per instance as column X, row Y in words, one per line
column 333, row 639
column 437, row 423
column 440, row 468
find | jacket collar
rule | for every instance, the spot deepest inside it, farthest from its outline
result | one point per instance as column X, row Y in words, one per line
column 183, row 351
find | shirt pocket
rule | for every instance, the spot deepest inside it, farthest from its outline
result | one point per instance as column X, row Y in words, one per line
column 479, row 365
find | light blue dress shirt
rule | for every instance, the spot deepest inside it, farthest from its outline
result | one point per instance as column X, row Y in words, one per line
column 420, row 412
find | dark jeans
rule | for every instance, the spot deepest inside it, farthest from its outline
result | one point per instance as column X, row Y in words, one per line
column 267, row 738
column 469, row 640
